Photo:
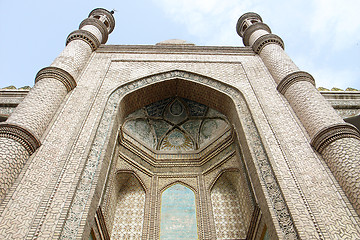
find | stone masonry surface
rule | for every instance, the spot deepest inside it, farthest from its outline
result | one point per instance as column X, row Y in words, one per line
column 43, row 207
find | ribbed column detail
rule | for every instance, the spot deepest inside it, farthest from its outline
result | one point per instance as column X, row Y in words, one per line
column 337, row 141
column 21, row 133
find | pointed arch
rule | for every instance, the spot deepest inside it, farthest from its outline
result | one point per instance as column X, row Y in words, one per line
column 135, row 175
column 129, row 207
column 216, row 94
column 220, row 174
column 232, row 205
column 178, row 182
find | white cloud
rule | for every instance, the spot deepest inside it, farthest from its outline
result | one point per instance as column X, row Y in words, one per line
column 211, row 21
column 318, row 31
column 336, row 23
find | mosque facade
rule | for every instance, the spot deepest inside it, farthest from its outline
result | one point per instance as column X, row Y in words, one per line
column 178, row 141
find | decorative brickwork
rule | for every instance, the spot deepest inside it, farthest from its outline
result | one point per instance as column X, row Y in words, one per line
column 343, row 159
column 33, row 116
column 129, row 212
column 207, row 113
column 268, row 178
column 28, row 122
column 73, row 58
column 13, row 156
column 319, row 119
column 311, row 108
column 277, row 62
column 16, row 145
column 230, row 223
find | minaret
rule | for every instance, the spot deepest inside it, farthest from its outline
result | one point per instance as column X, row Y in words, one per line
column 338, row 142
column 21, row 134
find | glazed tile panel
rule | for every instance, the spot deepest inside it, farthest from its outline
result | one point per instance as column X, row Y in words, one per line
column 178, row 214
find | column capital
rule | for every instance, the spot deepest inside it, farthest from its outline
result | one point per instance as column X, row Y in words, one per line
column 331, row 133
column 292, row 78
column 99, row 24
column 86, row 36
column 251, row 29
column 21, row 135
column 264, row 40
column 59, row 74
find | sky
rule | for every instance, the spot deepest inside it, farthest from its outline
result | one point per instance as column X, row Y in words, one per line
column 321, row 36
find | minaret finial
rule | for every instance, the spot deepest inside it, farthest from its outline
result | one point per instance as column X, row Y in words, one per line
column 249, row 23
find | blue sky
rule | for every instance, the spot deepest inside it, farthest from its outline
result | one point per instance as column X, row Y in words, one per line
column 321, row 36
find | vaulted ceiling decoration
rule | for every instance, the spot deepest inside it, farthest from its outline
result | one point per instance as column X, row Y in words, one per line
column 175, row 125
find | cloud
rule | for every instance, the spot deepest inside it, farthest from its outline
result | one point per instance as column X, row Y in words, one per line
column 317, row 33
column 335, row 23
column 210, row 21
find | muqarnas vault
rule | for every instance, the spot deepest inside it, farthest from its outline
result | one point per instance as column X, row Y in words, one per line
column 177, row 141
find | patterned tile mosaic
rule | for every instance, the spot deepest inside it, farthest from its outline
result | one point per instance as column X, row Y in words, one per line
column 229, row 222
column 129, row 215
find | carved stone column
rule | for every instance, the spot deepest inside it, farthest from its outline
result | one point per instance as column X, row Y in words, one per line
column 337, row 141
column 20, row 135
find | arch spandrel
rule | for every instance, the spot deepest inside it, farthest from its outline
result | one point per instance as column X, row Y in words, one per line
column 222, row 97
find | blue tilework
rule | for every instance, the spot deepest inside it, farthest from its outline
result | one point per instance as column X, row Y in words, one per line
column 178, row 214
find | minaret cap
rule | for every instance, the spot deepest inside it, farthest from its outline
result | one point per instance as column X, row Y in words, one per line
column 105, row 16
column 245, row 21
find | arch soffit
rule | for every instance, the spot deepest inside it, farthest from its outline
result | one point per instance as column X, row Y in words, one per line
column 220, row 174
column 132, row 174
column 162, row 80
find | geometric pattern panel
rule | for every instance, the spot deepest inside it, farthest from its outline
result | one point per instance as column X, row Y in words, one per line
column 178, row 214
column 129, row 213
column 175, row 125
column 229, row 222
column 240, row 183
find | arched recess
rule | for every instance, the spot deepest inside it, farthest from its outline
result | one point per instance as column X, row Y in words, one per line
column 213, row 93
column 232, row 205
column 178, row 213
column 125, row 206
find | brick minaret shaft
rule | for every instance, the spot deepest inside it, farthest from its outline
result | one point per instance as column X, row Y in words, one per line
column 20, row 135
column 337, row 141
